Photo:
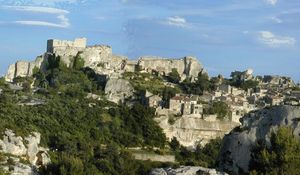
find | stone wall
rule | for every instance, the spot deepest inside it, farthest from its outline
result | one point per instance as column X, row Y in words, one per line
column 154, row 157
column 54, row 44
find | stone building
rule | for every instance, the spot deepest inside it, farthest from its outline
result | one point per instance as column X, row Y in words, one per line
column 53, row 45
column 186, row 105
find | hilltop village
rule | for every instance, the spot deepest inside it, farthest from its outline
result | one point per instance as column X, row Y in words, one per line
column 84, row 110
column 173, row 87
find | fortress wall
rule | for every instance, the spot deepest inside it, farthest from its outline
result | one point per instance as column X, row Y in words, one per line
column 162, row 65
column 55, row 44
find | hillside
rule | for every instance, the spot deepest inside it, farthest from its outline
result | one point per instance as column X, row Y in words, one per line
column 83, row 131
column 80, row 109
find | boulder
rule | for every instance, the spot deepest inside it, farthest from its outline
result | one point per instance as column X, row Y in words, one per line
column 27, row 149
column 12, row 144
column 235, row 154
column 118, row 90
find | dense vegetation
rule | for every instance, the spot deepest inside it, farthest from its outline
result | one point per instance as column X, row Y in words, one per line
column 281, row 157
column 203, row 156
column 85, row 136
column 88, row 136
column 197, row 87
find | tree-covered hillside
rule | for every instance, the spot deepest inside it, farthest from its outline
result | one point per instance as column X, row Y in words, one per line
column 85, row 135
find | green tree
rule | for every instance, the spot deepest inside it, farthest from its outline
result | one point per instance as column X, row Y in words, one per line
column 174, row 144
column 78, row 63
column 282, row 157
column 220, row 108
column 174, row 76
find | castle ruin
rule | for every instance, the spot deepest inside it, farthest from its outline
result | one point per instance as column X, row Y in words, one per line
column 102, row 60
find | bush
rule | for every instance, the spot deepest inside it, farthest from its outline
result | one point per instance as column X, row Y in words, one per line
column 174, row 76
column 220, row 108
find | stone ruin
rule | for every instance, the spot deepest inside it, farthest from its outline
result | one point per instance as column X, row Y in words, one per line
column 101, row 59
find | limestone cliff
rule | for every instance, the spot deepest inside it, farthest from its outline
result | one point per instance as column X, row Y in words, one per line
column 236, row 150
column 191, row 131
column 19, row 150
column 118, row 90
column 23, row 68
column 186, row 67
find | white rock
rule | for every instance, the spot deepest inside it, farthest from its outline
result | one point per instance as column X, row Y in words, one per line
column 235, row 154
column 12, row 144
column 118, row 90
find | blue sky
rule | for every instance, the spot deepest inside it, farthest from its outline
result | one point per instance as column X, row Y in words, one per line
column 225, row 35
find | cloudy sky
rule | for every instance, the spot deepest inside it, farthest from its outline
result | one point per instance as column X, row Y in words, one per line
column 225, row 35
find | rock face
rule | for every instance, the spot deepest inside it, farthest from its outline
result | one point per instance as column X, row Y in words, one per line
column 235, row 154
column 27, row 149
column 23, row 68
column 185, row 170
column 101, row 59
column 117, row 90
column 186, row 67
column 191, row 131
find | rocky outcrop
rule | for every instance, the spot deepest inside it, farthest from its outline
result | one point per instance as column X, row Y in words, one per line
column 23, row 68
column 103, row 62
column 191, row 131
column 185, row 170
column 186, row 67
column 16, row 149
column 256, row 126
column 118, row 90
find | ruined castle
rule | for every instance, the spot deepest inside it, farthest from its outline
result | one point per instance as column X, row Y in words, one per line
column 101, row 59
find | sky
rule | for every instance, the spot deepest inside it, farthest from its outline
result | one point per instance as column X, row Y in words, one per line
column 225, row 35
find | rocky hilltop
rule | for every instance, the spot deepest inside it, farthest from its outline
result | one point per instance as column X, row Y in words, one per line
column 256, row 126
column 101, row 59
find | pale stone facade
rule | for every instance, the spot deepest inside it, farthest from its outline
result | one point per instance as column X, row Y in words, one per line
column 186, row 105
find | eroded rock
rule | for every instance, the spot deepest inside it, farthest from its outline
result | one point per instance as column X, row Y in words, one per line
column 191, row 131
column 236, row 149
column 117, row 90
column 16, row 149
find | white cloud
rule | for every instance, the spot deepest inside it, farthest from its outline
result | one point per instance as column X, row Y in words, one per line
column 63, row 21
column 273, row 40
column 37, row 9
column 272, row 2
column 176, row 21
column 276, row 19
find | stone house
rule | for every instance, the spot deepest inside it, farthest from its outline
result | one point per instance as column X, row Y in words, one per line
column 186, row 105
